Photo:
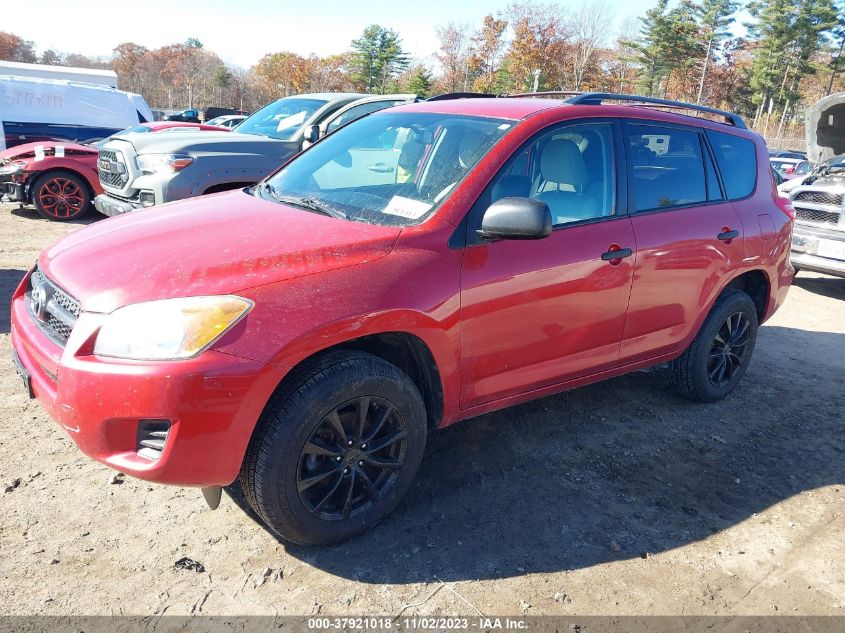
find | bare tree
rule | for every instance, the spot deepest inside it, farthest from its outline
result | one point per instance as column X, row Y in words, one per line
column 453, row 56
column 589, row 27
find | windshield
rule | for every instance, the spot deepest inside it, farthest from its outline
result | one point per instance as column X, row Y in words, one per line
column 135, row 129
column 281, row 119
column 393, row 168
column 837, row 162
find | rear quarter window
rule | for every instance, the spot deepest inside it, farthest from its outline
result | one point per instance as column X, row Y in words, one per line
column 737, row 160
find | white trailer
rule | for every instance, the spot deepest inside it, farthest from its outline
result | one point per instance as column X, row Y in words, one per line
column 95, row 76
column 34, row 110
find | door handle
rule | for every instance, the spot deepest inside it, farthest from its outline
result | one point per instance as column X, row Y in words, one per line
column 727, row 235
column 617, row 253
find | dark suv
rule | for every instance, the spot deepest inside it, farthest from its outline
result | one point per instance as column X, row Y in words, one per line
column 422, row 265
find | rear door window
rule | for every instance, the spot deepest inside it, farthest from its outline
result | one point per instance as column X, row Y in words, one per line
column 737, row 161
column 667, row 167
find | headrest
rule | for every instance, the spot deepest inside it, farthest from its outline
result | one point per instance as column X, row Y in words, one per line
column 562, row 162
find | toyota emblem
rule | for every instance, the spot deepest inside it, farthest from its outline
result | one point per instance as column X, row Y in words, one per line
column 38, row 302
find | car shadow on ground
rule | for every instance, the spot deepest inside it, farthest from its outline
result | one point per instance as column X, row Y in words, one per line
column 9, row 280
column 30, row 213
column 833, row 287
column 620, row 469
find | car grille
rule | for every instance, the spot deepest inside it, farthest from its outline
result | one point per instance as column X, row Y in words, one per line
column 816, row 216
column 52, row 309
column 111, row 169
column 820, row 197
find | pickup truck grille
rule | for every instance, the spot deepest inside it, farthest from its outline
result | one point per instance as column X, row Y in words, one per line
column 821, row 207
column 51, row 308
column 111, row 169
column 816, row 216
column 820, row 197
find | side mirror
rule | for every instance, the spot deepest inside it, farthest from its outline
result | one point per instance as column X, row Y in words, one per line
column 312, row 134
column 516, row 219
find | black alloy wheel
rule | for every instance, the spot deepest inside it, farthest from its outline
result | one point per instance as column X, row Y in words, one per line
column 728, row 349
column 352, row 458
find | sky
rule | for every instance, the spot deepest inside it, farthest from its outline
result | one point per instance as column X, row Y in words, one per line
column 242, row 31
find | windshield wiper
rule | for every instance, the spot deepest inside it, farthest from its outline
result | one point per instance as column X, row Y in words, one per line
column 306, row 202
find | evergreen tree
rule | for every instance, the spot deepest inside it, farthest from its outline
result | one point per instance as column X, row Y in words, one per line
column 650, row 47
column 787, row 33
column 377, row 58
column 715, row 16
column 420, row 81
column 668, row 43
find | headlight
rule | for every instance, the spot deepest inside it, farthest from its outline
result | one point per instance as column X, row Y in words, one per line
column 10, row 169
column 162, row 163
column 169, row 328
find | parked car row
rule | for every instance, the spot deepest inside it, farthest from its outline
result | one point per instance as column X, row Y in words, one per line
column 818, row 241
column 421, row 265
column 61, row 178
column 138, row 172
column 205, row 116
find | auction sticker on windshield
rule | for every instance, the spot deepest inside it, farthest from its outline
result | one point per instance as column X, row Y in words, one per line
column 406, row 208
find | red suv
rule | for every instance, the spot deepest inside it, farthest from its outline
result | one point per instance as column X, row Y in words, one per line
column 420, row 266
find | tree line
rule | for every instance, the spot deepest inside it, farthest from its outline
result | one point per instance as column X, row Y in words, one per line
column 788, row 57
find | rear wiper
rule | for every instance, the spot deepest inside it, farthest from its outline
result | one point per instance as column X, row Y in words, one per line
column 306, row 202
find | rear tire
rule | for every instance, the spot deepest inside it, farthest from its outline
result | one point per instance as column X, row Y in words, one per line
column 718, row 357
column 335, row 449
column 61, row 196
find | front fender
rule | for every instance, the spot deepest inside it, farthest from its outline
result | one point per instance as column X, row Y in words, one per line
column 88, row 173
column 416, row 293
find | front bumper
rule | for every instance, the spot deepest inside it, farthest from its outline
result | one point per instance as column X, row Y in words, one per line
column 818, row 249
column 12, row 191
column 111, row 206
column 212, row 402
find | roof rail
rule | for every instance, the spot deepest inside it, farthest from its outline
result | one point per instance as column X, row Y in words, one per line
column 597, row 98
column 461, row 95
column 548, row 93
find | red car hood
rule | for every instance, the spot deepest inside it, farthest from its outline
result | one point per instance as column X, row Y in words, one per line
column 216, row 244
column 27, row 151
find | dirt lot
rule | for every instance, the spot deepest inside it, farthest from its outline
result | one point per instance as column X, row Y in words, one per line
column 619, row 498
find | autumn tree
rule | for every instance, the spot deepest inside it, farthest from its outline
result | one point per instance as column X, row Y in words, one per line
column 453, row 56
column 487, row 47
column 282, row 74
column 128, row 63
column 14, row 48
column 538, row 45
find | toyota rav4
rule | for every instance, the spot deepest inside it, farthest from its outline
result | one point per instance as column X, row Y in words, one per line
column 423, row 265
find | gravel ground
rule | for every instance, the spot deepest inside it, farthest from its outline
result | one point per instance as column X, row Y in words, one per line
column 617, row 498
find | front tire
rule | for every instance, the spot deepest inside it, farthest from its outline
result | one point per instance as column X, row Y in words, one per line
column 718, row 357
column 61, row 196
column 335, row 449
